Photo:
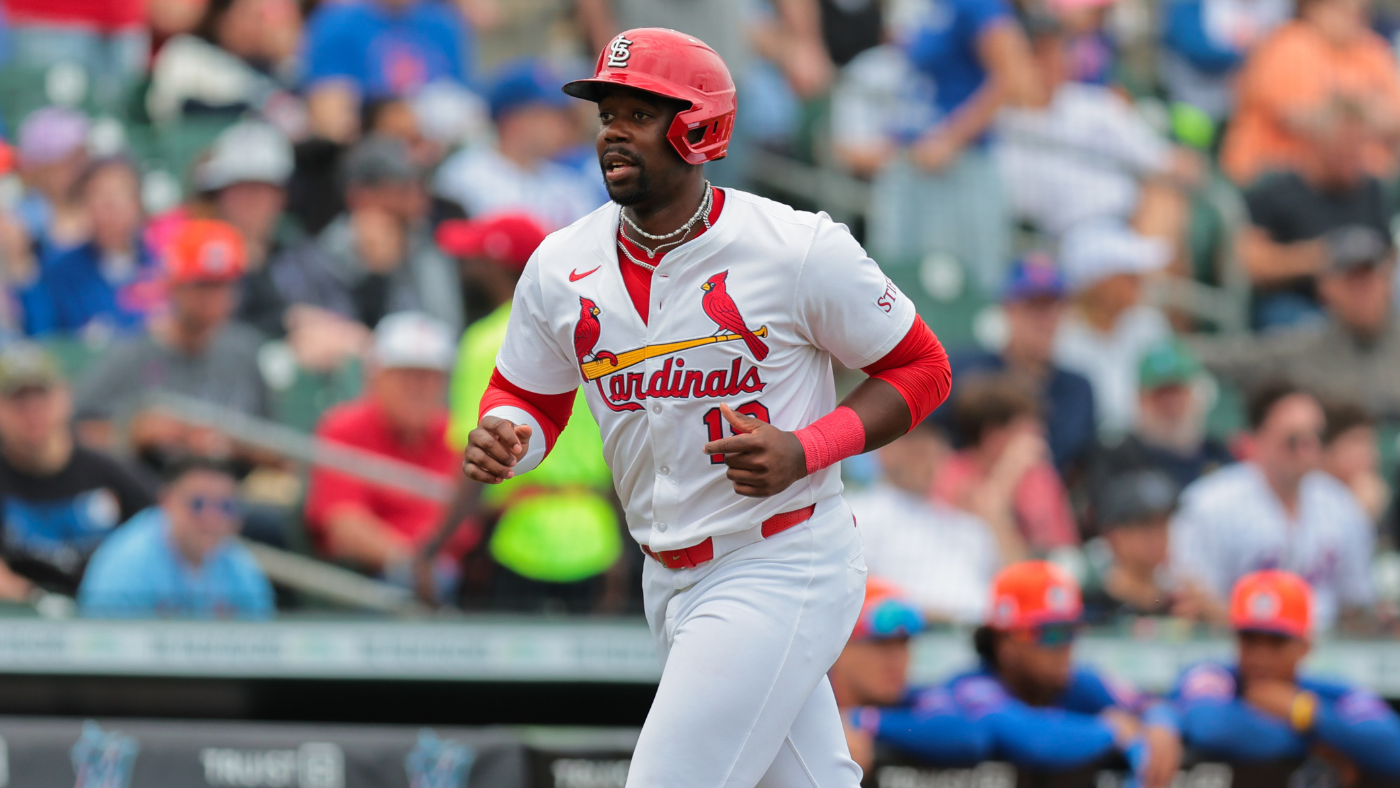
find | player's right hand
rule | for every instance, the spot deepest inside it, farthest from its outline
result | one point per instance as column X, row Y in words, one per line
column 493, row 449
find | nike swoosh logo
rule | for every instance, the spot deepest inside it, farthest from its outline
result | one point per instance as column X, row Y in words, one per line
column 574, row 275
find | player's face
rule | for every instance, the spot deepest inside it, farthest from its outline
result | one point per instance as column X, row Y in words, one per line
column 638, row 161
column 877, row 670
column 1268, row 657
column 1039, row 659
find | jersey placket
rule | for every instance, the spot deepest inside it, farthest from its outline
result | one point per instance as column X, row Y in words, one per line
column 666, row 494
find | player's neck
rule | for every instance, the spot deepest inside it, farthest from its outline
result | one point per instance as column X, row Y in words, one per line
column 664, row 215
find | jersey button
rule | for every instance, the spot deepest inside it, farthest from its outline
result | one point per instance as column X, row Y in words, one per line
column 656, row 409
column 661, row 527
column 665, row 470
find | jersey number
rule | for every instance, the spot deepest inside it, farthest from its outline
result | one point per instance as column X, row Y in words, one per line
column 714, row 423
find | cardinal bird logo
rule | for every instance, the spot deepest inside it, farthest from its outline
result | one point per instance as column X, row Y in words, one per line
column 587, row 331
column 721, row 309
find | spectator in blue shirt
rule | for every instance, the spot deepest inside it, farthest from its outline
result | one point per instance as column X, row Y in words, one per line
column 1027, row 703
column 109, row 283
column 1033, row 298
column 374, row 49
column 1262, row 709
column 938, row 190
column 179, row 559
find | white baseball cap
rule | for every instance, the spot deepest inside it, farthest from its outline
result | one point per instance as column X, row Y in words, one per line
column 1094, row 251
column 413, row 340
column 247, row 152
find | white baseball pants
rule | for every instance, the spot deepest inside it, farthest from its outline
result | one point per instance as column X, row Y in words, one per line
column 745, row 643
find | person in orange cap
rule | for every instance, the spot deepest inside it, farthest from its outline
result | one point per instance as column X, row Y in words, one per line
column 193, row 349
column 1262, row 709
column 870, row 680
column 1030, row 704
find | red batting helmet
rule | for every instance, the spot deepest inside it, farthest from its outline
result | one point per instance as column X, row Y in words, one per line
column 676, row 66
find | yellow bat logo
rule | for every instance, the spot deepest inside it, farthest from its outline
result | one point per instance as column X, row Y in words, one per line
column 602, row 367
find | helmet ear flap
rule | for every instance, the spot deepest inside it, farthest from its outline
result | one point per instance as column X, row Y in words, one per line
column 703, row 143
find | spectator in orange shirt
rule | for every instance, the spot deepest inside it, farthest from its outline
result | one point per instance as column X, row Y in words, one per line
column 1005, row 475
column 401, row 416
column 1293, row 81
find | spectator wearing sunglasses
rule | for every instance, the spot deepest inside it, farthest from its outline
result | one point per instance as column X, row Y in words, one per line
column 1031, row 705
column 180, row 559
column 1278, row 510
column 1262, row 709
column 870, row 681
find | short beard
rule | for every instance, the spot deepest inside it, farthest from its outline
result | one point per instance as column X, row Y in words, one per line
column 637, row 193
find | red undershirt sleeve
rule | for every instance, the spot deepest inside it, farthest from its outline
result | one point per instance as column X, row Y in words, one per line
column 918, row 369
column 552, row 411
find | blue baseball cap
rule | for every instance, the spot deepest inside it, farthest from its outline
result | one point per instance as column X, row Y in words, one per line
column 1032, row 276
column 525, row 82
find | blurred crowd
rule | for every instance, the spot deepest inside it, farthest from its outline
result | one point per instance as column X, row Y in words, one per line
column 311, row 216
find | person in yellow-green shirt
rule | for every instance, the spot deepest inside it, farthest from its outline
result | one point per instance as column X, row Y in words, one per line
column 558, row 539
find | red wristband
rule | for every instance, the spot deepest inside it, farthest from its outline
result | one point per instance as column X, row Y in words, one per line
column 832, row 438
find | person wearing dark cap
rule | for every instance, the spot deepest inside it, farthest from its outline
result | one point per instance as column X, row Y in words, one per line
column 1033, row 299
column 1132, row 511
column 555, row 534
column 378, row 256
column 1298, row 216
column 1354, row 353
column 58, row 500
column 535, row 123
column 1264, row 708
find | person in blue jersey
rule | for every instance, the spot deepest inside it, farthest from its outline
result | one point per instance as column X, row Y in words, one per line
column 1262, row 709
column 180, row 559
column 1027, row 703
column 871, row 683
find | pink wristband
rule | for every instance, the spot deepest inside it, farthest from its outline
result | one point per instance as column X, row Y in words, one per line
column 832, row 438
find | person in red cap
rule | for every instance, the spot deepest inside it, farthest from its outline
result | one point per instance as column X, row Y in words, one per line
column 194, row 350
column 701, row 324
column 1031, row 705
column 870, row 680
column 1263, row 709
column 492, row 252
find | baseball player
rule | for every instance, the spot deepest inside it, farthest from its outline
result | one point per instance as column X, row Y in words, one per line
column 701, row 323
column 1262, row 709
column 1028, row 702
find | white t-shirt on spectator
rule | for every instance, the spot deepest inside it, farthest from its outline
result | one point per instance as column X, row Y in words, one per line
column 943, row 558
column 1231, row 523
column 1110, row 361
column 1081, row 158
column 483, row 181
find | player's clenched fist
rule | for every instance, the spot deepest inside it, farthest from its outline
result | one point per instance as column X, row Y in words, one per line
column 493, row 448
column 763, row 460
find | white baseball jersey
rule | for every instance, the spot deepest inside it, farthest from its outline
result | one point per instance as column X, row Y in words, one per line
column 1231, row 523
column 749, row 314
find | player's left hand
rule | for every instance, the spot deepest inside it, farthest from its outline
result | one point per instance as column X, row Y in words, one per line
column 763, row 460
column 1163, row 756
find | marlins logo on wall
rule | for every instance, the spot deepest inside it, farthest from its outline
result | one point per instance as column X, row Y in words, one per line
column 103, row 759
column 435, row 763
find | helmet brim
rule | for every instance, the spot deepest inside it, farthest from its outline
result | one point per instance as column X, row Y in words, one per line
column 592, row 90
